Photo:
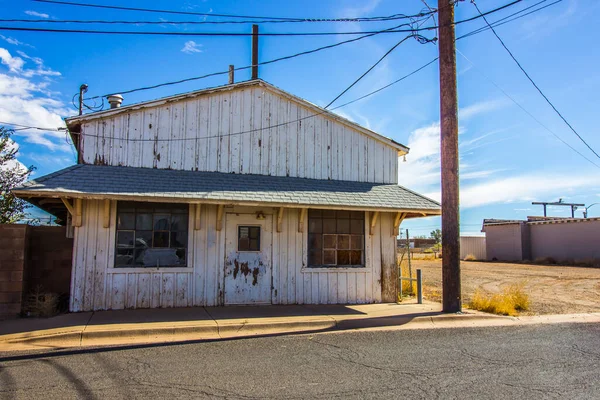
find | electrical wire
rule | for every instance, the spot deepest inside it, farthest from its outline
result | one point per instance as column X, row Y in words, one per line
column 244, row 67
column 369, row 70
column 528, row 113
column 506, row 19
column 534, row 84
column 289, row 19
column 234, row 34
column 32, row 127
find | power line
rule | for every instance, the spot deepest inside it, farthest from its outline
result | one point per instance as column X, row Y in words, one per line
column 528, row 113
column 534, row 84
column 288, row 19
column 369, row 70
column 32, row 127
column 242, row 68
column 235, row 34
column 506, row 19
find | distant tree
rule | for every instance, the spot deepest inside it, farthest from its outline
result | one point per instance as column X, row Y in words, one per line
column 437, row 235
column 12, row 174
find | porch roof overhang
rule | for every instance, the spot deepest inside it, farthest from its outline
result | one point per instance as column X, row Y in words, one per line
column 160, row 185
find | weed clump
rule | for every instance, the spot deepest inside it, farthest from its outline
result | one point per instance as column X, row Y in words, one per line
column 512, row 300
column 470, row 257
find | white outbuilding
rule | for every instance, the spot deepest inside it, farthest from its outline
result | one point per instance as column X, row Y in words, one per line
column 240, row 194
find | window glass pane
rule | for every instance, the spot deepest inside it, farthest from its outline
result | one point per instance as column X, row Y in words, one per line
column 329, row 257
column 178, row 239
column 164, row 257
column 157, row 231
column 328, row 213
column 343, row 257
column 124, row 257
column 178, row 222
column 143, row 222
column 161, row 222
column 315, row 257
column 126, row 221
column 329, row 225
column 315, row 242
column 343, row 242
column 356, row 257
column 357, row 226
column 343, row 214
column 143, row 239
column 357, row 242
column 315, row 225
column 329, row 241
column 248, row 238
column 125, row 239
column 161, row 239
column 357, row 215
column 343, row 226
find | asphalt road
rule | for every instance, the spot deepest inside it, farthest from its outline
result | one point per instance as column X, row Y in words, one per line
column 544, row 361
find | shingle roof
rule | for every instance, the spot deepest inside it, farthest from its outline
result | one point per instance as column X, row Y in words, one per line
column 95, row 181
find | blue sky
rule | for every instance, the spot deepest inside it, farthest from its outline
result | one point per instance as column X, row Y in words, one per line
column 507, row 158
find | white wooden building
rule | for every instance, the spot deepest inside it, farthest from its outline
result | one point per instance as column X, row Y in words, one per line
column 241, row 194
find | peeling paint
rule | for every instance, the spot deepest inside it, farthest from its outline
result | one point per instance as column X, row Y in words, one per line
column 255, row 273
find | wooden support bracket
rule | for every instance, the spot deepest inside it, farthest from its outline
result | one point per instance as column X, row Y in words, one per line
column 78, row 219
column 279, row 218
column 301, row 217
column 220, row 217
column 106, row 223
column 69, row 206
column 197, row 213
column 374, row 217
column 74, row 210
column 397, row 221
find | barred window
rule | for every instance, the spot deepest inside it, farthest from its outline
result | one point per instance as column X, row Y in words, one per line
column 151, row 235
column 336, row 238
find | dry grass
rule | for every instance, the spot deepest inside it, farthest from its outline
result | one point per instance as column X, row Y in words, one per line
column 470, row 257
column 408, row 288
column 511, row 301
column 41, row 304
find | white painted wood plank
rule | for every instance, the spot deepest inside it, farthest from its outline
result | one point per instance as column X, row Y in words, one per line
column 342, row 288
column 168, row 290
column 235, row 139
column 155, row 297
column 351, row 282
column 249, row 146
column 332, row 282
column 90, row 218
column 323, row 287
column 119, row 291
column 181, row 294
column 143, row 290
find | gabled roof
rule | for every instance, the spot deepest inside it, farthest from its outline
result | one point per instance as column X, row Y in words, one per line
column 146, row 184
column 72, row 122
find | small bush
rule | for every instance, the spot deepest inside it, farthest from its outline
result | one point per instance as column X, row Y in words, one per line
column 545, row 261
column 470, row 257
column 41, row 304
column 408, row 288
column 512, row 300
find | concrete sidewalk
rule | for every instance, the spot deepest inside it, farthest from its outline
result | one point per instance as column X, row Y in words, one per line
column 129, row 327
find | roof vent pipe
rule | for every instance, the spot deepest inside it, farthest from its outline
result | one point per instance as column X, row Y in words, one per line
column 115, row 100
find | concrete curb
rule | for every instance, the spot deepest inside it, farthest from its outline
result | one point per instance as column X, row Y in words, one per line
column 119, row 334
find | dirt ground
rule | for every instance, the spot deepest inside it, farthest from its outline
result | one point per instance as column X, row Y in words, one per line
column 552, row 289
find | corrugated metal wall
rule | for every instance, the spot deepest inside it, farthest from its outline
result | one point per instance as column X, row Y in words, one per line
column 202, row 134
column 96, row 285
column 474, row 245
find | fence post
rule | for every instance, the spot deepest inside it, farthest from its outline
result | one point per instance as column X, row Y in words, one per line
column 419, row 286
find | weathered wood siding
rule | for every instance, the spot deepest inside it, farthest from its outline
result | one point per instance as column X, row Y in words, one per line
column 203, row 134
column 96, row 285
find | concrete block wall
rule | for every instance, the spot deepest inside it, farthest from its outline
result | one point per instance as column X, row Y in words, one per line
column 32, row 256
column 13, row 259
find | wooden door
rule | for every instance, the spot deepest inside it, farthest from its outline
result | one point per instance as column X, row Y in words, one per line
column 248, row 254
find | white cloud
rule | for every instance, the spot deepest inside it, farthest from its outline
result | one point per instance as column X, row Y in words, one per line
column 14, row 64
column 529, row 187
column 191, row 47
column 13, row 164
column 480, row 108
column 37, row 14
column 40, row 70
column 25, row 101
column 14, row 41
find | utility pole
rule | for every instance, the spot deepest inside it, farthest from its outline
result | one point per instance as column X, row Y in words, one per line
column 254, row 52
column 451, row 290
column 82, row 90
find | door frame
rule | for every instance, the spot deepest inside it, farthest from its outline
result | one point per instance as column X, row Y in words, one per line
column 256, row 222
